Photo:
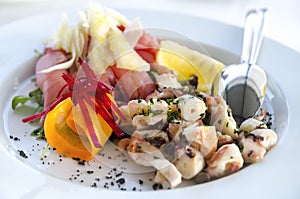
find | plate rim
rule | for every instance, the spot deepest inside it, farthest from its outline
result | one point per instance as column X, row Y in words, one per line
column 79, row 189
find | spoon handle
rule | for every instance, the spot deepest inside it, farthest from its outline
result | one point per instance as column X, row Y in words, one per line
column 253, row 34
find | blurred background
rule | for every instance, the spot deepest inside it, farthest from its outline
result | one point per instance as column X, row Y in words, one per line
column 283, row 25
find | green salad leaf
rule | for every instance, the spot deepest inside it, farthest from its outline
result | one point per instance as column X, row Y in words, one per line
column 19, row 100
column 35, row 96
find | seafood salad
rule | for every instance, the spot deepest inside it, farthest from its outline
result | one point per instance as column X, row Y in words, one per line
column 106, row 79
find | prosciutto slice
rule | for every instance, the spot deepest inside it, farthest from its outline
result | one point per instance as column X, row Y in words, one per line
column 147, row 47
column 50, row 83
column 133, row 84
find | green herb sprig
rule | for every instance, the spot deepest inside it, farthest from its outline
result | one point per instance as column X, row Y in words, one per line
column 35, row 96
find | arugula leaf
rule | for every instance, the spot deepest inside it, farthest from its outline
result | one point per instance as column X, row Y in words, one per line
column 19, row 100
column 38, row 133
column 35, row 96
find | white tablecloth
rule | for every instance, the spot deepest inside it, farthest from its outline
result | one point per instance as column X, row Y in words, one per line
column 283, row 25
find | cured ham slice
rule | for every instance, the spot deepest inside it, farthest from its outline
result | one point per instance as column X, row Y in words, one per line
column 50, row 83
column 147, row 47
column 133, row 84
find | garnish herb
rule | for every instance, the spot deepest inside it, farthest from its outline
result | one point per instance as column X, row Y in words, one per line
column 236, row 131
column 170, row 100
column 146, row 136
column 173, row 116
column 246, row 133
column 44, row 152
column 202, row 115
column 151, row 101
column 38, row 53
column 156, row 112
column 19, row 100
column 38, row 133
column 35, row 96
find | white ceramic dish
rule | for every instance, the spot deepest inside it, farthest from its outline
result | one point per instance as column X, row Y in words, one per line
column 277, row 176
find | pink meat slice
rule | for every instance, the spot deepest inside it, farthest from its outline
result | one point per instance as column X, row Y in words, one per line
column 50, row 83
column 133, row 84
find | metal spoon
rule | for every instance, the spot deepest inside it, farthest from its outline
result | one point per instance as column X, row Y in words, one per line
column 243, row 86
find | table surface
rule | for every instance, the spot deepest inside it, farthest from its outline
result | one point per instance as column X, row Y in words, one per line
column 283, row 25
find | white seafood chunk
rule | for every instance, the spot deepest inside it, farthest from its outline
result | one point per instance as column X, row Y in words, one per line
column 251, row 151
column 155, row 137
column 158, row 106
column 256, row 144
column 251, row 124
column 175, row 129
column 223, row 139
column 125, row 111
column 137, row 107
column 142, row 122
column 203, row 138
column 168, row 175
column 167, row 80
column 190, row 163
column 143, row 153
column 191, row 107
column 220, row 116
column 226, row 160
column 269, row 137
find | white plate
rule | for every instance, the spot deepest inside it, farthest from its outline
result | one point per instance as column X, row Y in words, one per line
column 276, row 176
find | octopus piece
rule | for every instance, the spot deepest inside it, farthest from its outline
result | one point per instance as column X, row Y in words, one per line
column 186, row 124
column 223, row 139
column 190, row 163
column 251, row 124
column 137, row 107
column 158, row 106
column 168, row 80
column 125, row 111
column 256, row 144
column 191, row 108
column 226, row 160
column 221, row 116
column 262, row 116
column 157, row 116
column 123, row 144
column 174, row 129
column 158, row 139
column 143, row 122
column 154, row 137
column 251, row 151
column 168, row 176
column 145, row 154
column 202, row 138
column 269, row 137
column 165, row 93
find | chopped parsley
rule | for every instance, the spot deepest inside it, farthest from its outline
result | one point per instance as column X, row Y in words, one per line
column 227, row 124
column 145, row 136
column 154, row 112
column 173, row 116
column 246, row 133
column 151, row 101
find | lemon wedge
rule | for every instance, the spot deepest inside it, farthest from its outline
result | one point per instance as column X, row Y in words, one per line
column 187, row 62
